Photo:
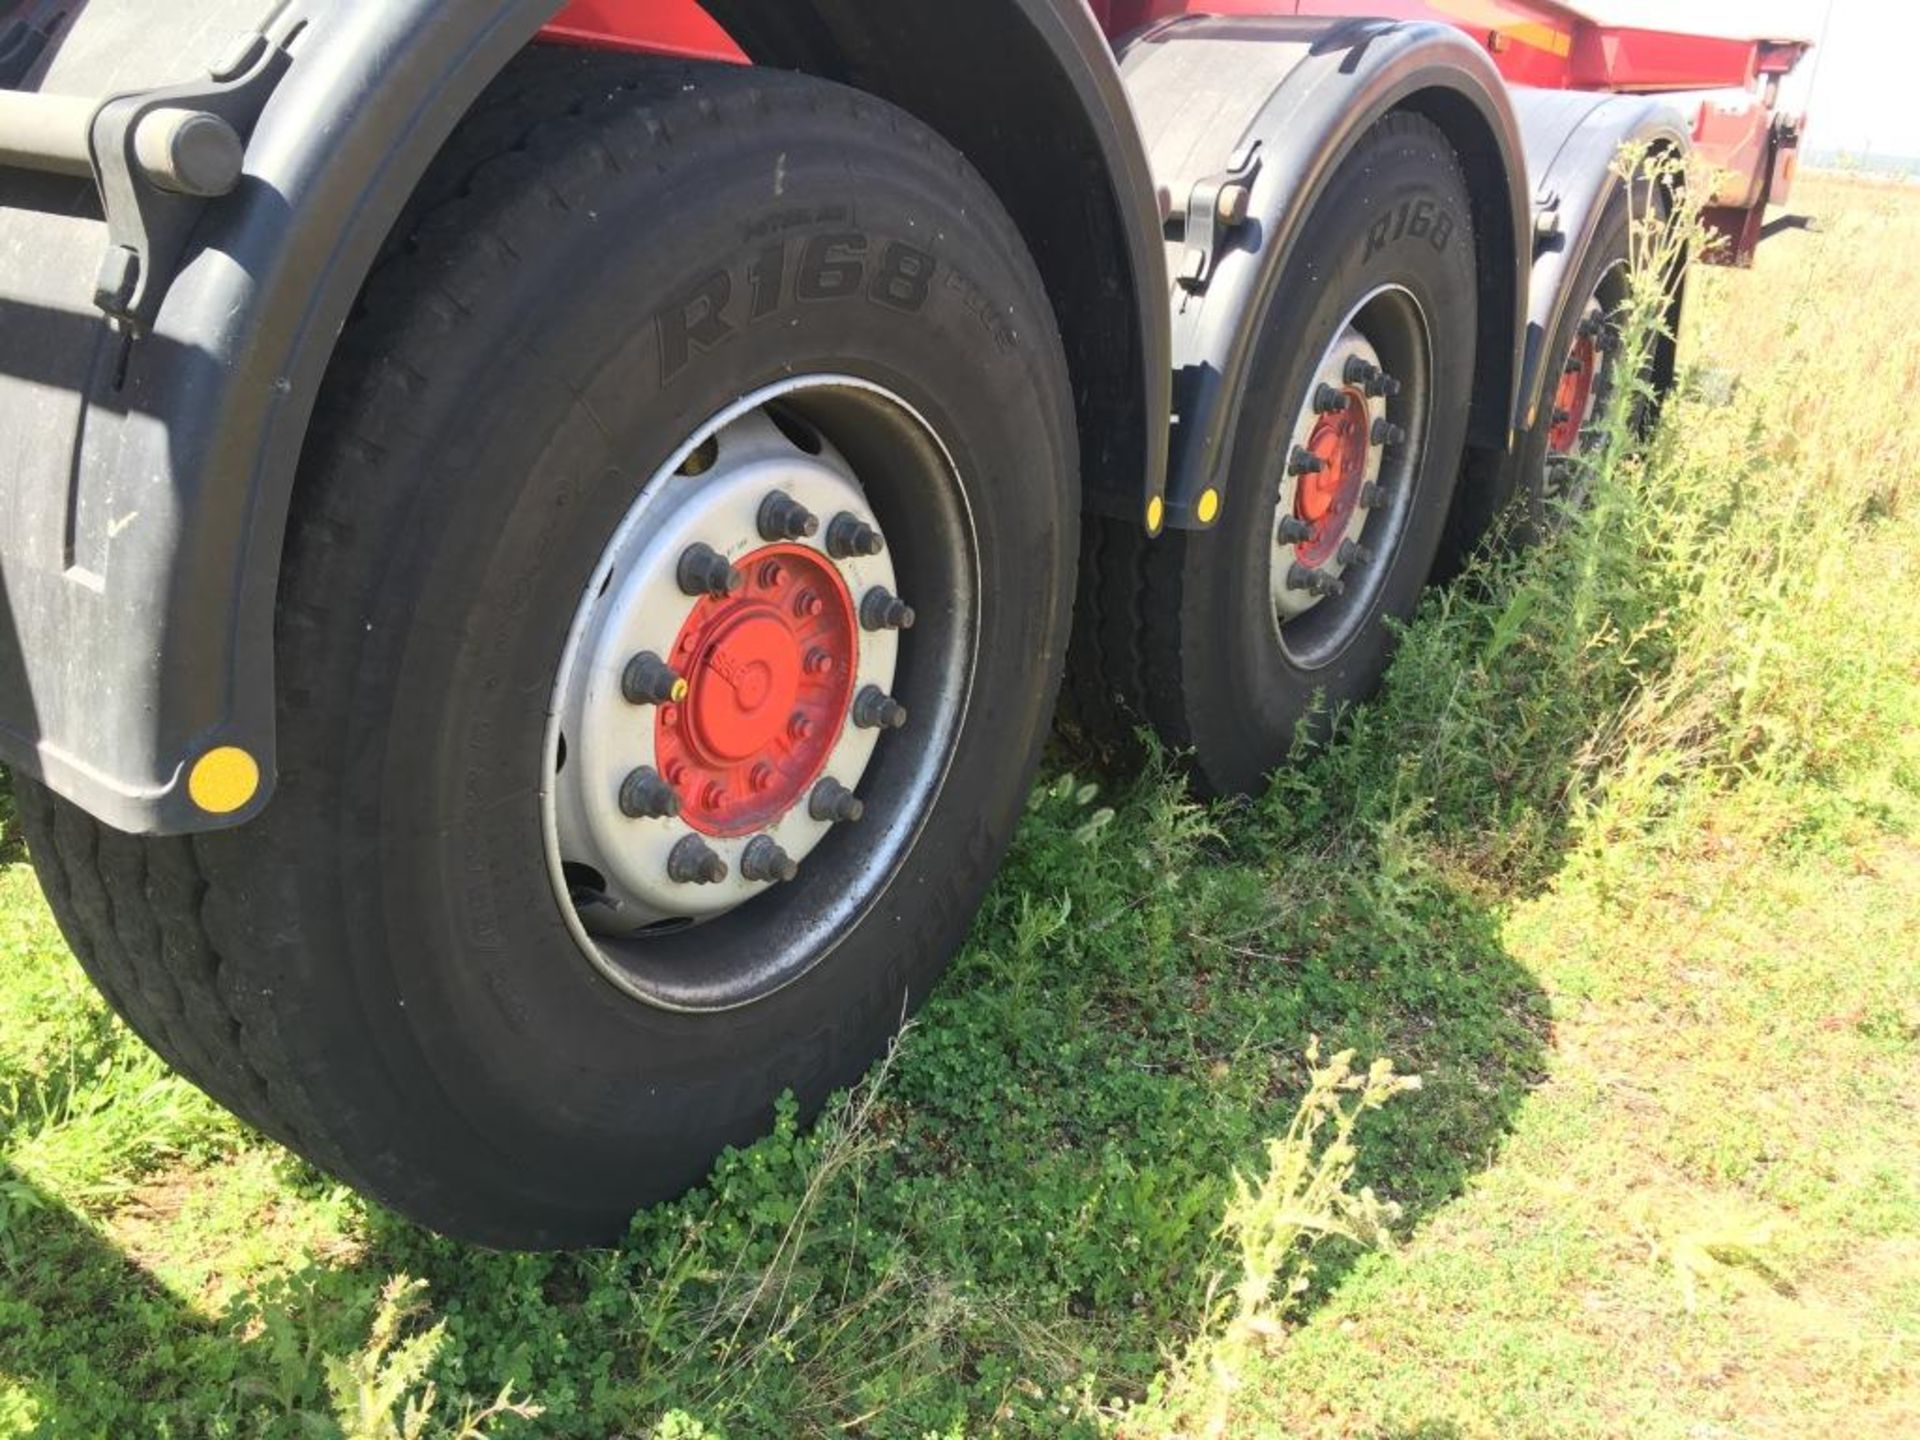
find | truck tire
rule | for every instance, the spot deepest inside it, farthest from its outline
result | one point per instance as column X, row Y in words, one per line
column 1232, row 643
column 1543, row 479
column 678, row 580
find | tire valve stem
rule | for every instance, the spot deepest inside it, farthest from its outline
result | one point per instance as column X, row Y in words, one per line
column 848, row 535
column 784, row 518
column 764, row 862
column 1352, row 552
column 644, row 795
column 1314, row 582
column 1304, row 462
column 1385, row 432
column 874, row 709
column 1294, row 530
column 880, row 609
column 705, row 571
column 1360, row 372
column 1372, row 495
column 649, row 680
column 1328, row 400
column 694, row 862
column 834, row 804
column 1383, row 386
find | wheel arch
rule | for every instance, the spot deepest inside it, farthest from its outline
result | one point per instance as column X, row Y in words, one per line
column 236, row 356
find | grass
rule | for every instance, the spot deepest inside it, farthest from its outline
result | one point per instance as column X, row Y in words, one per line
column 1622, row 865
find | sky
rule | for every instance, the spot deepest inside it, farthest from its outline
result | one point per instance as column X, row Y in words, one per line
column 1856, row 88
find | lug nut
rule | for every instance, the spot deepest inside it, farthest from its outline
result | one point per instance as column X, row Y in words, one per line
column 649, row 680
column 880, row 609
column 705, row 571
column 1352, row 552
column 833, row 803
column 1294, row 530
column 819, row 662
column 1561, row 415
column 874, row 709
column 1588, row 328
column 800, row 726
column 1383, row 386
column 645, row 796
column 1385, row 432
column 1372, row 495
column 848, row 535
column 713, row 796
column 1574, row 365
column 1360, row 372
column 1304, row 462
column 765, row 862
column 784, row 518
column 1327, row 399
column 1314, row 582
column 694, row 862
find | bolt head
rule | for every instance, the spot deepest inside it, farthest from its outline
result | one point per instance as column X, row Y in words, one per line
column 819, row 662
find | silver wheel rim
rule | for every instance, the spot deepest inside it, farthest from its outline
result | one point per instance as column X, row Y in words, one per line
column 613, row 870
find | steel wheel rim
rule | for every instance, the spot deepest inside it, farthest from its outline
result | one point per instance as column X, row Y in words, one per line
column 1581, row 395
column 1321, row 595
column 778, row 440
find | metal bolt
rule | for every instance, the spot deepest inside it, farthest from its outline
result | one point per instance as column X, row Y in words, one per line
column 1360, row 371
column 1304, row 462
column 1294, row 530
column 833, row 803
column 762, row 778
column 819, row 662
column 807, row 604
column 874, row 709
column 1383, row 386
column 880, row 609
column 645, row 796
column 1372, row 495
column 765, row 862
column 649, row 680
column 772, row 575
column 1327, row 399
column 694, row 862
column 784, row 518
column 1314, row 582
column 1352, row 552
column 1588, row 328
column 1561, row 414
column 705, row 571
column 848, row 535
column 1232, row 206
column 1574, row 365
column 1385, row 432
column 713, row 796
column 800, row 726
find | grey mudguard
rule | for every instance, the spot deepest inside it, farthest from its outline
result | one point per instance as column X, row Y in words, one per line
column 1572, row 141
column 1208, row 91
column 145, row 484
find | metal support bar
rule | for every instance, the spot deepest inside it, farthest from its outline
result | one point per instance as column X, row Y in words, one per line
column 179, row 150
column 46, row 132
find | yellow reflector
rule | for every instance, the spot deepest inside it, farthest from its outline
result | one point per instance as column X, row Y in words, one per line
column 1209, row 506
column 1156, row 513
column 224, row 780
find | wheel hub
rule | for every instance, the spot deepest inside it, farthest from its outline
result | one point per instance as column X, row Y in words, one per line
column 770, row 674
column 1327, row 498
column 1573, row 398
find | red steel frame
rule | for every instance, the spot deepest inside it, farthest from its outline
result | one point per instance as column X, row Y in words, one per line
column 1532, row 42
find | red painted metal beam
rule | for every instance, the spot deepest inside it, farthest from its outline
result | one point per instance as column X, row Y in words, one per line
column 650, row 27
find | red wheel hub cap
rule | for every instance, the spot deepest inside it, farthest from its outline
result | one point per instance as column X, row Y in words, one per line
column 1572, row 396
column 770, row 673
column 1327, row 499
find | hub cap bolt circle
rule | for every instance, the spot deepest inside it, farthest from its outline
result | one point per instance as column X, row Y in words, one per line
column 784, row 518
column 1327, row 399
column 833, row 803
column 1294, row 530
column 848, row 535
column 1385, row 432
column 882, row 610
column 694, row 862
column 704, row 571
column 644, row 795
column 649, row 680
column 765, row 862
column 874, row 709
column 1304, row 462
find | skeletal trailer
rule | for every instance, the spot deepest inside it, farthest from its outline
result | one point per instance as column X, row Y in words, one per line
column 540, row 545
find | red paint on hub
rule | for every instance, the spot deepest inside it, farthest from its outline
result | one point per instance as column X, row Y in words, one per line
column 1571, row 396
column 770, row 674
column 1326, row 500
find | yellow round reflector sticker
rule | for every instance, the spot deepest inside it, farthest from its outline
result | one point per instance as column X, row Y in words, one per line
column 1156, row 512
column 1209, row 507
column 224, row 780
